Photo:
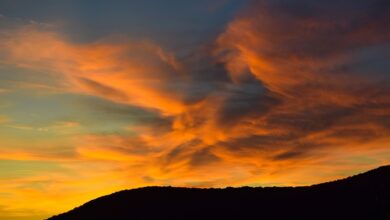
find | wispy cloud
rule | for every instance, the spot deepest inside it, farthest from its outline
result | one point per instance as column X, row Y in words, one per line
column 287, row 92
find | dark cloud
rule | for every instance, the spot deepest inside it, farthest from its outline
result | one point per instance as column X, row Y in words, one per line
column 203, row 157
column 289, row 155
column 102, row 89
column 245, row 100
column 181, row 152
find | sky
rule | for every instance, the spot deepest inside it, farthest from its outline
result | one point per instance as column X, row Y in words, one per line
column 99, row 96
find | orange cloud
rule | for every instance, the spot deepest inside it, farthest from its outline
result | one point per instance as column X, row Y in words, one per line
column 127, row 72
column 284, row 99
column 310, row 66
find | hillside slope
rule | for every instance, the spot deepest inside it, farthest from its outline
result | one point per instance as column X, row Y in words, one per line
column 364, row 196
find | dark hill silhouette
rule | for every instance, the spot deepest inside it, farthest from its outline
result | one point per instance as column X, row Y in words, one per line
column 364, row 196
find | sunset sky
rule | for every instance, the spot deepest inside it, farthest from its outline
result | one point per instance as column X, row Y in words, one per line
column 98, row 96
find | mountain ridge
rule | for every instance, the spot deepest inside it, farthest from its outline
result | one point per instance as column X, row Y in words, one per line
column 362, row 196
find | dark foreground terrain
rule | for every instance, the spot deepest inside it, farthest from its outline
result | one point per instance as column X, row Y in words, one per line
column 364, row 196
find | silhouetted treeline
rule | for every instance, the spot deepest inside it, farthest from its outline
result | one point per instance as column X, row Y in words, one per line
column 365, row 196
